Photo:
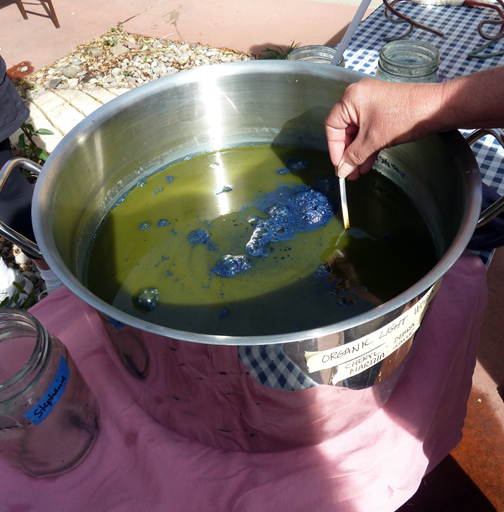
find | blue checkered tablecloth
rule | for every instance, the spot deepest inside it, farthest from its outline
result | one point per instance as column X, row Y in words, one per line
column 460, row 28
column 269, row 364
column 459, row 25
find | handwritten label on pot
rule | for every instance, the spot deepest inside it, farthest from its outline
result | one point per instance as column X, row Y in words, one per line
column 360, row 355
column 45, row 405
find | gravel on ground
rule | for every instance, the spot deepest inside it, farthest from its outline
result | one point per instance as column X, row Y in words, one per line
column 120, row 59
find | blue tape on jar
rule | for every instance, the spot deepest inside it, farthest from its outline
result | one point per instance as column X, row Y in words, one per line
column 45, row 405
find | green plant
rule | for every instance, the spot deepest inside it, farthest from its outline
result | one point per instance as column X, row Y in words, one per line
column 118, row 30
column 279, row 53
column 110, row 42
column 30, row 301
column 28, row 146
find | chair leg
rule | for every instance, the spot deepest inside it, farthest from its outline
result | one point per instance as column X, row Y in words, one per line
column 22, row 9
column 53, row 13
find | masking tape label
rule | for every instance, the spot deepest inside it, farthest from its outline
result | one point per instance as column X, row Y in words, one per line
column 360, row 355
column 45, row 405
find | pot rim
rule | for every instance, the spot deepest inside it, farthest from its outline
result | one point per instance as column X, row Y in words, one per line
column 326, row 71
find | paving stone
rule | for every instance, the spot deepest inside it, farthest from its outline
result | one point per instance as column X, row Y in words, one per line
column 69, row 95
column 81, row 101
column 101, row 95
column 47, row 100
column 117, row 91
column 47, row 142
column 63, row 116
column 39, row 120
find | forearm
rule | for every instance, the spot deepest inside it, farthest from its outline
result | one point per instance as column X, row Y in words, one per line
column 373, row 115
column 473, row 101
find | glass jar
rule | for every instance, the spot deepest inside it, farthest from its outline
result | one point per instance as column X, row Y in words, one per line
column 315, row 53
column 48, row 414
column 408, row 60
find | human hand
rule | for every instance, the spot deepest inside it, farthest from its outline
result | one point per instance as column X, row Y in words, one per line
column 373, row 115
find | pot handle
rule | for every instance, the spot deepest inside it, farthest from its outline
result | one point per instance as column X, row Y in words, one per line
column 17, row 238
column 498, row 207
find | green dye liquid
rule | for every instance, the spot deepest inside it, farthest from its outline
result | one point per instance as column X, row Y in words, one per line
column 281, row 292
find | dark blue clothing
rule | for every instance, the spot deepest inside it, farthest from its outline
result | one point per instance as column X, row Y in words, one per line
column 13, row 111
column 16, row 196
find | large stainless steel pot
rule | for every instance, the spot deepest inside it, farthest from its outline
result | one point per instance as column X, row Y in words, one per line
column 227, row 105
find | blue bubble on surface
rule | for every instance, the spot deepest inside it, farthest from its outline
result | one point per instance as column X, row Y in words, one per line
column 169, row 179
column 223, row 314
column 230, row 266
column 327, row 184
column 144, row 225
column 142, row 182
column 342, row 301
column 199, row 236
column 161, row 223
column 225, row 188
column 120, row 200
column 297, row 164
column 314, row 210
column 254, row 220
column 290, row 210
column 147, row 299
column 324, row 270
column 282, row 171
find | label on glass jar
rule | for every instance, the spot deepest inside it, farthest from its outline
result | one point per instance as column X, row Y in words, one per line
column 45, row 405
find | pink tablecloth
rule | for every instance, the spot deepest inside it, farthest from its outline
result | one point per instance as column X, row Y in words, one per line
column 139, row 465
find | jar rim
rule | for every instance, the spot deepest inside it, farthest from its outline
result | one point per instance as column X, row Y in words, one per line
column 428, row 54
column 312, row 47
column 316, row 51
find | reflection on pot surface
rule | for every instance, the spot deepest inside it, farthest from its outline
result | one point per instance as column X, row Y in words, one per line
column 248, row 241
